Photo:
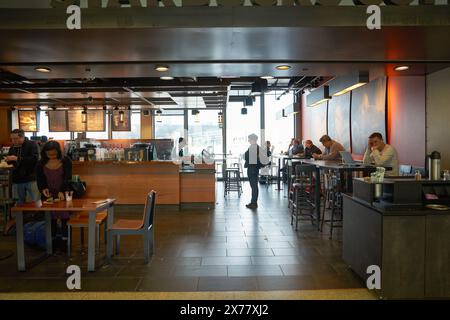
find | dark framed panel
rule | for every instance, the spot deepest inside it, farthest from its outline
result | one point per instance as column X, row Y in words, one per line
column 318, row 120
column 339, row 119
column 29, row 120
column 117, row 125
column 57, row 121
column 75, row 122
column 96, row 120
column 368, row 113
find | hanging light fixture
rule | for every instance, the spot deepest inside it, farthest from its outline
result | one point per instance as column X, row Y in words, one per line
column 158, row 116
column 121, row 116
column 220, row 119
column 196, row 115
column 84, row 115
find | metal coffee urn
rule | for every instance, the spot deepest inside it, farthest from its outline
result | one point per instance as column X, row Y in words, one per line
column 434, row 166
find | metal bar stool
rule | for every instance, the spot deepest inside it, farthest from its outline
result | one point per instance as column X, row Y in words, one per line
column 303, row 194
column 332, row 197
column 232, row 181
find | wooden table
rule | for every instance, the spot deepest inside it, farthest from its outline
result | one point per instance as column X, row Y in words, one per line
column 75, row 205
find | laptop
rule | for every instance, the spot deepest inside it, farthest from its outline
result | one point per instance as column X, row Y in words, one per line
column 347, row 159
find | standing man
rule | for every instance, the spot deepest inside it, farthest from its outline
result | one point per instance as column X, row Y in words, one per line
column 255, row 159
column 332, row 149
column 381, row 154
column 23, row 155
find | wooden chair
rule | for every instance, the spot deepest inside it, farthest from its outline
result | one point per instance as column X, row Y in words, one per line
column 142, row 227
column 82, row 221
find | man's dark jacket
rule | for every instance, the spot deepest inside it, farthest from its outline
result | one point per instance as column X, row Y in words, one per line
column 27, row 157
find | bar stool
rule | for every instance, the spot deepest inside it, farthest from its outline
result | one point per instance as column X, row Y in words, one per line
column 5, row 203
column 232, row 181
column 303, row 194
column 332, row 198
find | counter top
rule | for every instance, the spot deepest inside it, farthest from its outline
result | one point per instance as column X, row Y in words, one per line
column 398, row 210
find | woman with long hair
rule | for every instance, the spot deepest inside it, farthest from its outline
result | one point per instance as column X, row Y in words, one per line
column 53, row 175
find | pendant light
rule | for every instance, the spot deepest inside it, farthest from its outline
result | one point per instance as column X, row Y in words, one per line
column 121, row 116
column 158, row 116
column 220, row 119
column 84, row 115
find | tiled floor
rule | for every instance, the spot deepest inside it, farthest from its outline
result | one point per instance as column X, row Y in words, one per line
column 226, row 248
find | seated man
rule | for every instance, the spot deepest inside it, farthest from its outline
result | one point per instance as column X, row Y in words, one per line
column 381, row 154
column 297, row 149
column 310, row 149
column 332, row 149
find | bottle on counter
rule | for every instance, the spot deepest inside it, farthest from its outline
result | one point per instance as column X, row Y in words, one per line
column 417, row 175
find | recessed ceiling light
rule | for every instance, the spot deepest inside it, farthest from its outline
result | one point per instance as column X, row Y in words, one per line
column 283, row 67
column 43, row 69
column 401, row 68
column 166, row 78
column 267, row 77
column 162, row 68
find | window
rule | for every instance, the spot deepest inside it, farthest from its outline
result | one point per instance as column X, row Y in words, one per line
column 204, row 132
column 171, row 125
column 135, row 132
column 278, row 131
column 239, row 127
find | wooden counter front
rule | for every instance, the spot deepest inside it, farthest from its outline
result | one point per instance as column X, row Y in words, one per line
column 129, row 183
column 198, row 186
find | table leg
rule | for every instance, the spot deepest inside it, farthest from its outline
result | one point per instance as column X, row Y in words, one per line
column 279, row 175
column 91, row 241
column 109, row 224
column 317, row 197
column 48, row 232
column 20, row 244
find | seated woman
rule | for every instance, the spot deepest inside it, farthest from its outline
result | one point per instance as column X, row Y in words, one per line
column 53, row 175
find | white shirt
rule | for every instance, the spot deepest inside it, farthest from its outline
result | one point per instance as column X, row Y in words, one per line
column 386, row 158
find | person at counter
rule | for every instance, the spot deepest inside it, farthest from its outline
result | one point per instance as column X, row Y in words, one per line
column 23, row 155
column 311, row 149
column 54, row 173
column 296, row 150
column 332, row 149
column 381, row 154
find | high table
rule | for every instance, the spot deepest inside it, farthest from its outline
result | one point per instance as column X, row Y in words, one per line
column 342, row 169
column 93, row 206
column 285, row 158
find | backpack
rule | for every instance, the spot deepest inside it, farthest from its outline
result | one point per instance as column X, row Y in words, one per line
column 34, row 233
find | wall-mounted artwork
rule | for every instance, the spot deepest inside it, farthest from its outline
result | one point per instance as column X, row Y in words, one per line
column 318, row 121
column 57, row 121
column 121, row 122
column 28, row 120
column 339, row 119
column 368, row 113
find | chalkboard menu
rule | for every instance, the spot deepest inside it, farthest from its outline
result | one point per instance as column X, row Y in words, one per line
column 28, row 120
column 119, row 124
column 75, row 121
column 57, row 121
column 96, row 120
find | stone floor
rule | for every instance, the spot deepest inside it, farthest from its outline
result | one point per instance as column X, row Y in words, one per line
column 226, row 248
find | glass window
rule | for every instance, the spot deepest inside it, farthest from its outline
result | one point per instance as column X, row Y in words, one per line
column 279, row 131
column 239, row 127
column 135, row 132
column 170, row 126
column 204, row 132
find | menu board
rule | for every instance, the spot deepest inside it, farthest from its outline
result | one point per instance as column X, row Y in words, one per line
column 75, row 121
column 96, row 120
column 28, row 120
column 117, row 124
column 57, row 121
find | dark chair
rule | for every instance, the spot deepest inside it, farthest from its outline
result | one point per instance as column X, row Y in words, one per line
column 333, row 197
column 302, row 202
column 143, row 227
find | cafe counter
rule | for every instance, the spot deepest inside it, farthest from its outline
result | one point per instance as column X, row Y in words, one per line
column 129, row 182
